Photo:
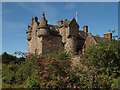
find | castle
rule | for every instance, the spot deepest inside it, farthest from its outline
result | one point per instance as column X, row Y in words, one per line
column 43, row 37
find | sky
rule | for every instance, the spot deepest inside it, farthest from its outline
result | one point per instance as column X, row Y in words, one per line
column 16, row 16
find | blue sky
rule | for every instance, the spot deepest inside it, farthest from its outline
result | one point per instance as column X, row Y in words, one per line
column 100, row 17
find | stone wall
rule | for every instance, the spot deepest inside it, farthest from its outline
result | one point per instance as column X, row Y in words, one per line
column 32, row 43
column 42, row 38
column 70, row 45
column 39, row 45
column 79, row 45
column 63, row 32
column 88, row 42
column 51, row 43
column 69, row 38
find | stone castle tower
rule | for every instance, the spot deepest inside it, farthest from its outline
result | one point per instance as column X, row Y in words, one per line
column 43, row 37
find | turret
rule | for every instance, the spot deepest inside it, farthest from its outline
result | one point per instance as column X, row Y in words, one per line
column 43, row 29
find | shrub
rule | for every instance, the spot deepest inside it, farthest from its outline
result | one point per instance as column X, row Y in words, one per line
column 116, row 83
column 53, row 71
column 102, row 61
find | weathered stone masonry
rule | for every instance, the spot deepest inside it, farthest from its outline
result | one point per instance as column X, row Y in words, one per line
column 43, row 37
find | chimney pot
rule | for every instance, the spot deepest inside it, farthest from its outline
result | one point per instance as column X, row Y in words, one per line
column 85, row 28
column 60, row 22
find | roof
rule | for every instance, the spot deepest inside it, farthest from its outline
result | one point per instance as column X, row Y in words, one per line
column 67, row 22
column 98, row 39
column 53, row 26
column 53, row 29
column 83, row 34
column 43, row 21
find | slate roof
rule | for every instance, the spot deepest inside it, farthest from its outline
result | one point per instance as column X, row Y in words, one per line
column 53, row 29
column 67, row 22
column 43, row 21
column 82, row 34
column 97, row 39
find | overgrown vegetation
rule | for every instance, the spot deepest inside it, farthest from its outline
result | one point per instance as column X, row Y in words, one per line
column 100, row 68
column 7, row 58
column 103, row 65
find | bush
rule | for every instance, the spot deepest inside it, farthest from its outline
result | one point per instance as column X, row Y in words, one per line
column 52, row 71
column 116, row 83
column 103, row 64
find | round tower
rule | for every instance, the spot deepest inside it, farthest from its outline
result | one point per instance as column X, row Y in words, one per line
column 43, row 29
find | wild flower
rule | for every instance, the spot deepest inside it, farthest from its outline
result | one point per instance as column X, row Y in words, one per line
column 40, row 57
column 74, row 86
column 43, row 62
column 40, row 72
column 52, row 61
column 46, row 68
column 69, row 85
column 45, row 75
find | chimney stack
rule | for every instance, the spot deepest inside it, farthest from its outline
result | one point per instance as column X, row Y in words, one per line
column 85, row 28
column 60, row 22
column 108, row 36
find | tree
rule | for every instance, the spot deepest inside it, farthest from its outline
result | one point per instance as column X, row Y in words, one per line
column 103, row 62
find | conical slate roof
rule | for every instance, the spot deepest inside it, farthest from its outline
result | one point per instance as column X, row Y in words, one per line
column 43, row 21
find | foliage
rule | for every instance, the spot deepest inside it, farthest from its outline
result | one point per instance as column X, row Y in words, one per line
column 53, row 71
column 7, row 58
column 103, row 64
column 21, row 54
column 116, row 83
column 98, row 68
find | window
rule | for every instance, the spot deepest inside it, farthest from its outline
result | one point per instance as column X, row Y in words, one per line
column 36, row 51
column 36, row 32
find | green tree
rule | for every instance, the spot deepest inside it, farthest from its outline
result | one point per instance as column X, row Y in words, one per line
column 103, row 62
column 6, row 58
